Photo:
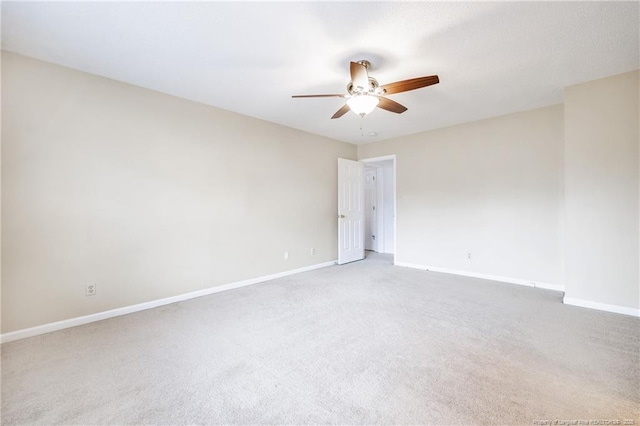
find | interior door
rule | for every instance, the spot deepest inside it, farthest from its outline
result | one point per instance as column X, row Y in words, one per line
column 350, row 211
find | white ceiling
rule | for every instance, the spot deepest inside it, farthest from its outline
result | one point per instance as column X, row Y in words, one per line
column 492, row 58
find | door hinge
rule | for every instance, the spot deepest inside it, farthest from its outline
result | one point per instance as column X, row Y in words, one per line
column 373, row 237
column 374, row 207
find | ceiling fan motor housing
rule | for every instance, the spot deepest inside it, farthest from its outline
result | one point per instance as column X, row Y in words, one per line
column 373, row 88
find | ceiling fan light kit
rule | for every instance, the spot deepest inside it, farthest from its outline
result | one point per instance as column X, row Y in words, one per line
column 363, row 104
column 365, row 94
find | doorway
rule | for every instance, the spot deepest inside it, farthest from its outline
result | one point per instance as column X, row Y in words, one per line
column 371, row 202
column 366, row 207
column 380, row 204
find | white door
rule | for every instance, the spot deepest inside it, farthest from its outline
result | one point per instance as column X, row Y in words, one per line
column 350, row 211
column 370, row 214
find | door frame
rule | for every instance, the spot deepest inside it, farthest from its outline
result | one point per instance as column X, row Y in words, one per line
column 392, row 157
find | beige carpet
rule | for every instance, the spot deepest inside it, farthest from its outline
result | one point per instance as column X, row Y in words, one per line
column 362, row 343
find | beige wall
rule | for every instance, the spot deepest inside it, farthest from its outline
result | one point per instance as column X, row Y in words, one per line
column 147, row 195
column 602, row 184
column 151, row 196
column 492, row 188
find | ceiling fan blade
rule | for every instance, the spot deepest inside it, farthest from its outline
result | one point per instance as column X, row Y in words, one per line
column 392, row 106
column 318, row 96
column 412, row 84
column 359, row 76
column 342, row 111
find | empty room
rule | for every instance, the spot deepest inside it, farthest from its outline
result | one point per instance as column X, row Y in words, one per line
column 293, row 213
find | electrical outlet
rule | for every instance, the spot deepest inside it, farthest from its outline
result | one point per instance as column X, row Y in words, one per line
column 286, row 255
column 91, row 289
column 469, row 256
column 313, row 251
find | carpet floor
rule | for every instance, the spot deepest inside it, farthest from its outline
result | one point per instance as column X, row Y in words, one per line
column 363, row 343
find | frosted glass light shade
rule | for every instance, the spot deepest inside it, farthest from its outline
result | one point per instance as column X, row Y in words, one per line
column 362, row 104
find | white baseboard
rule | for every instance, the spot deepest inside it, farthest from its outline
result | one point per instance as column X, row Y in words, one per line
column 601, row 306
column 73, row 322
column 510, row 280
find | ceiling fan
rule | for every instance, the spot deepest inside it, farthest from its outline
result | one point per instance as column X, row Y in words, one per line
column 365, row 93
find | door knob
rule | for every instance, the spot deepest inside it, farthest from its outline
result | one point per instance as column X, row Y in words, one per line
column 341, row 216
